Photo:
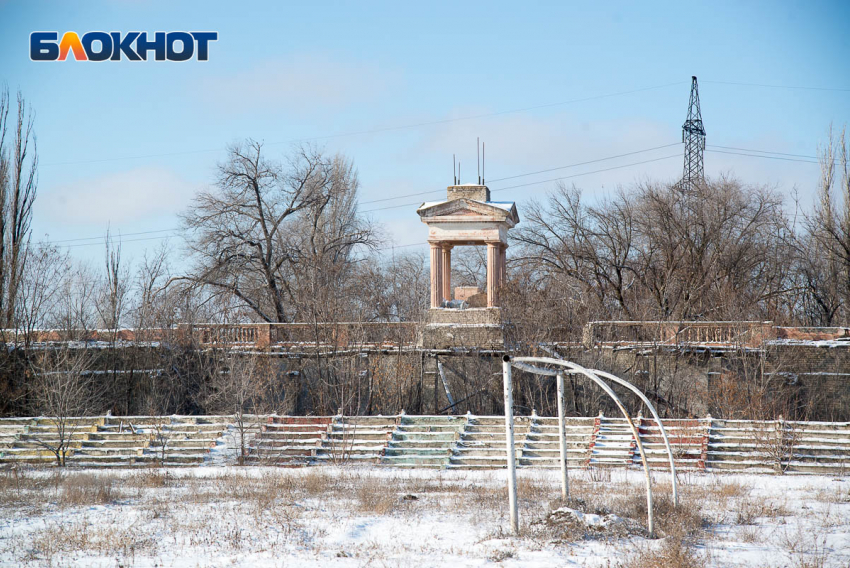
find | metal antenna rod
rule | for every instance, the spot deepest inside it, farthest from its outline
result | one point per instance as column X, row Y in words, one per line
column 454, row 168
column 478, row 157
column 482, row 163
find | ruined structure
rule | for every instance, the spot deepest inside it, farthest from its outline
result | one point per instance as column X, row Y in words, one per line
column 466, row 317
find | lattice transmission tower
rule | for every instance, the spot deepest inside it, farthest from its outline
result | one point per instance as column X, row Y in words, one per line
column 693, row 135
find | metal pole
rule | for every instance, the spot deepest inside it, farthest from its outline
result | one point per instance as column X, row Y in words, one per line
column 663, row 430
column 562, row 437
column 590, row 375
column 509, row 442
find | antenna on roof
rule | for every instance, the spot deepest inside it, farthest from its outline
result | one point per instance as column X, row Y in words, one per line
column 458, row 172
column 478, row 157
column 454, row 168
column 482, row 163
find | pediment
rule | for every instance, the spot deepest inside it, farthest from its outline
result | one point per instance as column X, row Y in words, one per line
column 469, row 209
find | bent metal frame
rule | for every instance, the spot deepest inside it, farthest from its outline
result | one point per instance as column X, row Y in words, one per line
column 532, row 365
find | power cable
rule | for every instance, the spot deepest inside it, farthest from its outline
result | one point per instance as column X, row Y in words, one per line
column 530, row 173
column 746, row 152
column 785, row 159
column 541, row 181
column 794, row 87
column 384, row 129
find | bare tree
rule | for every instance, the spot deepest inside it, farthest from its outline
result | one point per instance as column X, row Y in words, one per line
column 75, row 311
column 62, row 389
column 18, row 188
column 658, row 253
column 825, row 250
column 38, row 293
column 237, row 387
column 264, row 220
column 591, row 246
column 112, row 299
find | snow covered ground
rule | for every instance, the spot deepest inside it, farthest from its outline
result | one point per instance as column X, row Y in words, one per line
column 359, row 516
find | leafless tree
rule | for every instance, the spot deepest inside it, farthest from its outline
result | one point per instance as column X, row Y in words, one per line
column 658, row 253
column 18, row 189
column 591, row 246
column 152, row 297
column 62, row 389
column 112, row 298
column 265, row 222
column 825, row 251
column 38, row 294
column 75, row 311
column 238, row 387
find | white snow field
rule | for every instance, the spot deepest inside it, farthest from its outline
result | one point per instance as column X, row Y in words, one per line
column 350, row 516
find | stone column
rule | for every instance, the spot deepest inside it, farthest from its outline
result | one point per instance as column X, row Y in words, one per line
column 503, row 265
column 436, row 275
column 492, row 274
column 447, row 272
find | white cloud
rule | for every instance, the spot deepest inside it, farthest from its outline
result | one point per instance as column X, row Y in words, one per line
column 124, row 197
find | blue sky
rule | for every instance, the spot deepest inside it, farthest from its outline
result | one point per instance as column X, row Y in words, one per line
column 127, row 144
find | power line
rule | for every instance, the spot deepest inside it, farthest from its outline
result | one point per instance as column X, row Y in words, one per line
column 435, row 191
column 383, row 129
column 541, row 181
column 100, row 237
column 587, row 173
column 587, row 162
column 747, row 152
column 423, row 243
column 121, row 235
column 763, row 151
column 530, row 173
column 793, row 87
column 122, row 241
column 785, row 159
column 445, row 121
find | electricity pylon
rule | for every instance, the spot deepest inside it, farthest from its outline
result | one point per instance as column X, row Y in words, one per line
column 693, row 135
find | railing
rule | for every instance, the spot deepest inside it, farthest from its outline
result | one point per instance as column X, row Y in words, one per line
column 249, row 335
column 306, row 335
column 386, row 334
column 708, row 333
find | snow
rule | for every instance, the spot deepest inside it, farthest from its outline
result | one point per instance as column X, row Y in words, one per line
column 504, row 205
column 345, row 516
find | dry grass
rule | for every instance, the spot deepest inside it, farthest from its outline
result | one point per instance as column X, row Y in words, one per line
column 374, row 497
column 86, row 490
column 673, row 553
column 61, row 538
column 241, row 508
column 804, row 548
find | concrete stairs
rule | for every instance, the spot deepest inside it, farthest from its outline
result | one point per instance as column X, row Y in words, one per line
column 688, row 439
column 779, row 446
column 542, row 445
column 290, row 440
column 456, row 442
column 423, row 441
column 115, row 443
column 481, row 444
column 33, row 442
column 357, row 439
column 11, row 429
column 612, row 443
column 184, row 440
